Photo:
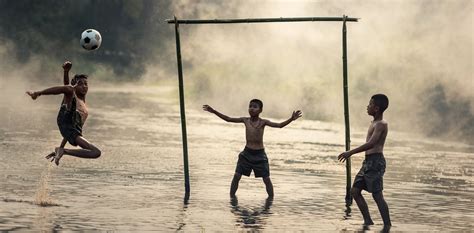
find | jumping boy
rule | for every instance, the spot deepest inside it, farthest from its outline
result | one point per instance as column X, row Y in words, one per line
column 67, row 65
column 370, row 176
column 71, row 117
column 253, row 157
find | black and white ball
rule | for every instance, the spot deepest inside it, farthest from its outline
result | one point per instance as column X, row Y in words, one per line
column 91, row 39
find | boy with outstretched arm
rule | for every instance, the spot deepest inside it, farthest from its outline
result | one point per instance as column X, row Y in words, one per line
column 67, row 65
column 71, row 117
column 253, row 157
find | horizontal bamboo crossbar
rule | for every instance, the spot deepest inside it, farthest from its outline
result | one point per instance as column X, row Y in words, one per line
column 260, row 20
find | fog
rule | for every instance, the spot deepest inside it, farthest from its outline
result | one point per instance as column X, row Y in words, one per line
column 418, row 53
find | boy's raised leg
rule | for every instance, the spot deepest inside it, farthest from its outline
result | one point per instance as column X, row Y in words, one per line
column 364, row 209
column 235, row 184
column 383, row 208
column 268, row 186
column 88, row 151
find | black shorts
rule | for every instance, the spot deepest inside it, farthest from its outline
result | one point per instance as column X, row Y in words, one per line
column 70, row 133
column 255, row 160
column 69, row 124
column 370, row 176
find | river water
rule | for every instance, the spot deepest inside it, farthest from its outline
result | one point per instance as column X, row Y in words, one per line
column 137, row 183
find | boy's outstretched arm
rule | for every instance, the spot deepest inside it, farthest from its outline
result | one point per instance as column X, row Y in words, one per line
column 208, row 108
column 378, row 129
column 67, row 90
column 294, row 116
column 66, row 67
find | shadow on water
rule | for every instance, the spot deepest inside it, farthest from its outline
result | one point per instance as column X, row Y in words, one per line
column 182, row 216
column 366, row 228
column 41, row 204
column 347, row 212
column 363, row 228
column 253, row 218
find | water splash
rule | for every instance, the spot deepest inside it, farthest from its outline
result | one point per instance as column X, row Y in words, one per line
column 42, row 197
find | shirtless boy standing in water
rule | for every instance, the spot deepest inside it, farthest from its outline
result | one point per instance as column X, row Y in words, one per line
column 253, row 157
column 370, row 176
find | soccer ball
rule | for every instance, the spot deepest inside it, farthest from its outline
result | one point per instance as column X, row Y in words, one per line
column 91, row 39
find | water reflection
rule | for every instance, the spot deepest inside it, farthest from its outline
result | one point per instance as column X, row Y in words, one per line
column 348, row 212
column 253, row 218
column 141, row 172
column 372, row 228
column 182, row 217
column 366, row 228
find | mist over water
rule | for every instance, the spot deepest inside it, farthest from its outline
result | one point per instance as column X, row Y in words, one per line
column 409, row 50
column 419, row 53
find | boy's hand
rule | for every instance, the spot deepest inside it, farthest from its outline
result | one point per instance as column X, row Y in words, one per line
column 296, row 115
column 343, row 156
column 67, row 65
column 33, row 94
column 208, row 108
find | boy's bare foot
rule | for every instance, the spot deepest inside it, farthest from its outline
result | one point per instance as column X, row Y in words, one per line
column 50, row 156
column 234, row 201
column 368, row 223
column 386, row 228
column 268, row 203
column 59, row 153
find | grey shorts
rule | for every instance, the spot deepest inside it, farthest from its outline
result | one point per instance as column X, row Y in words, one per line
column 255, row 160
column 370, row 176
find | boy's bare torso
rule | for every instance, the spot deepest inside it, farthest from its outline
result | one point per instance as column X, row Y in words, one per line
column 378, row 147
column 81, row 107
column 254, row 133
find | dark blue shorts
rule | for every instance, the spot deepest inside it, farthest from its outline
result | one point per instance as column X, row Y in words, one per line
column 255, row 160
column 370, row 176
column 69, row 124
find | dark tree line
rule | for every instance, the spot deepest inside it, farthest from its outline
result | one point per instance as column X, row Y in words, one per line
column 133, row 31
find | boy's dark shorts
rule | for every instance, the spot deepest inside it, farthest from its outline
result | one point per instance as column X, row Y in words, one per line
column 69, row 125
column 370, row 176
column 255, row 160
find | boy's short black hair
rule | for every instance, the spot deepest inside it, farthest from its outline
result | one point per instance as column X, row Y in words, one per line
column 78, row 76
column 257, row 101
column 381, row 101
